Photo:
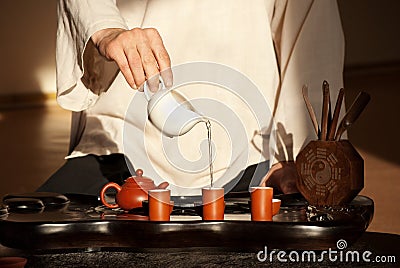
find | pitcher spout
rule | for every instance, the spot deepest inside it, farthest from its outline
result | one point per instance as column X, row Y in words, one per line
column 190, row 124
column 171, row 112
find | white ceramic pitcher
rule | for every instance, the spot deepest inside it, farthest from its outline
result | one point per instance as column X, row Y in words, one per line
column 171, row 112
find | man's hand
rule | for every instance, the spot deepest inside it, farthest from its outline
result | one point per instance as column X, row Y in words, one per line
column 139, row 53
column 282, row 176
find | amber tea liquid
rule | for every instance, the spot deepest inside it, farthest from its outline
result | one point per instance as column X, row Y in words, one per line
column 210, row 162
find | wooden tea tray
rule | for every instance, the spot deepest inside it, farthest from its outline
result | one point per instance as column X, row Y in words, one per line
column 85, row 223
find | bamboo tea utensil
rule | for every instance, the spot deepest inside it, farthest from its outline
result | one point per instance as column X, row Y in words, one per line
column 353, row 113
column 325, row 111
column 310, row 110
column 336, row 113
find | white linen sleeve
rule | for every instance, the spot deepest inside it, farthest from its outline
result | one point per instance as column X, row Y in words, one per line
column 309, row 45
column 82, row 73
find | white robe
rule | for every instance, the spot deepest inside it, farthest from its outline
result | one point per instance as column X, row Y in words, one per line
column 278, row 46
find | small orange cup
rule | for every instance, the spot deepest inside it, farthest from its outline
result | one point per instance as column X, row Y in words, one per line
column 12, row 262
column 276, row 206
column 213, row 203
column 159, row 204
column 261, row 203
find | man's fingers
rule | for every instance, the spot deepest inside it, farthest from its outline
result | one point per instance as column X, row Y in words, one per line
column 139, row 53
column 149, row 65
column 135, row 65
column 164, row 63
column 272, row 176
column 161, row 55
column 125, row 68
column 167, row 77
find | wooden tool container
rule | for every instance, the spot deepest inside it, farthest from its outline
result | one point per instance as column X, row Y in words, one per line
column 330, row 172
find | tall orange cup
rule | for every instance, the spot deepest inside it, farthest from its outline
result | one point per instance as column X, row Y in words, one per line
column 213, row 203
column 159, row 204
column 261, row 203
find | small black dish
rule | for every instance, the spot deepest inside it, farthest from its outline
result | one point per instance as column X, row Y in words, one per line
column 24, row 205
column 49, row 199
column 3, row 211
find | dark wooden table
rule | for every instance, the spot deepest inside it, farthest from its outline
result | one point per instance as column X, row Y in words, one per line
column 84, row 223
column 84, row 233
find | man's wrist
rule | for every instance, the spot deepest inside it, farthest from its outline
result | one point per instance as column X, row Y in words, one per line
column 98, row 36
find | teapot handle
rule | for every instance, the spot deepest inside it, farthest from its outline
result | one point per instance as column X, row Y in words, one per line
column 103, row 191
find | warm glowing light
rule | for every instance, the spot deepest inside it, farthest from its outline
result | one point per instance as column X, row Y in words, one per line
column 46, row 77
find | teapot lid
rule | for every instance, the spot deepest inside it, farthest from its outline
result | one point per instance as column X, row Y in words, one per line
column 139, row 177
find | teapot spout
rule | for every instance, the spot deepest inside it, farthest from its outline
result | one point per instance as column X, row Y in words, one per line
column 163, row 185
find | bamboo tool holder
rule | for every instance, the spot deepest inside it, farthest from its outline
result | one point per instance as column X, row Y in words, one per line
column 331, row 171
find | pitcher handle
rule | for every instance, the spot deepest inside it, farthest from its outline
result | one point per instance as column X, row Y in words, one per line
column 109, row 185
column 147, row 91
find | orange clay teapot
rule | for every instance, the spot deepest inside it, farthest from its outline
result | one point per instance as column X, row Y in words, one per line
column 131, row 194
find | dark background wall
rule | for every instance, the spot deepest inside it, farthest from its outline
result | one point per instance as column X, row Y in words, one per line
column 371, row 31
column 28, row 30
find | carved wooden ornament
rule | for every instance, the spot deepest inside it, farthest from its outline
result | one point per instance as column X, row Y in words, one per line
column 330, row 172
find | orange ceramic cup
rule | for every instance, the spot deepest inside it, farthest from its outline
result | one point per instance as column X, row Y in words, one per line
column 12, row 262
column 261, row 203
column 276, row 206
column 213, row 203
column 159, row 204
